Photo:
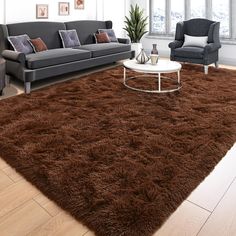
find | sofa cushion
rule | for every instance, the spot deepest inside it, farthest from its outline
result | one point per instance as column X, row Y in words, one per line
column 55, row 57
column 20, row 43
column 102, row 38
column 69, row 38
column 99, row 50
column 47, row 31
column 111, row 34
column 195, row 41
column 38, row 45
column 87, row 28
column 189, row 52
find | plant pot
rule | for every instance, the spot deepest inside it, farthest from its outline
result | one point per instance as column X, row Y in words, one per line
column 136, row 47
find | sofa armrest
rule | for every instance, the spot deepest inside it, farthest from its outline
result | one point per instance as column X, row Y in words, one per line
column 211, row 47
column 124, row 40
column 176, row 44
column 14, row 56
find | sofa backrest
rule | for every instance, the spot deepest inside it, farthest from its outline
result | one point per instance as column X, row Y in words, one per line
column 86, row 29
column 47, row 31
column 197, row 27
column 3, row 38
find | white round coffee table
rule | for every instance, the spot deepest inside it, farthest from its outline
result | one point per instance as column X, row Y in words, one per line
column 162, row 67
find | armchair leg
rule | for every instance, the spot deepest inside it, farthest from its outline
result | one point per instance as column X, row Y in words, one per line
column 206, row 70
column 27, row 87
column 216, row 64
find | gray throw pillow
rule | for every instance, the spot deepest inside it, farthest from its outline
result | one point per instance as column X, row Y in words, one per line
column 110, row 33
column 69, row 38
column 21, row 43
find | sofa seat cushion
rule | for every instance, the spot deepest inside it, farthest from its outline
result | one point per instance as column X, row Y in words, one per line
column 104, row 49
column 55, row 57
column 189, row 52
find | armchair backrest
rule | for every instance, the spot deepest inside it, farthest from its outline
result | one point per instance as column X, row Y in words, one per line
column 198, row 27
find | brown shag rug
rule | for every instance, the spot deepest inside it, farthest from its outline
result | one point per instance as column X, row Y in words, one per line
column 120, row 161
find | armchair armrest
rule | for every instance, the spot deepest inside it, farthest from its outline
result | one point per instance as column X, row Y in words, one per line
column 176, row 44
column 211, row 47
column 124, row 40
column 14, row 56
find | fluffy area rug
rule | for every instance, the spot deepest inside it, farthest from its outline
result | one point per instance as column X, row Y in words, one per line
column 120, row 161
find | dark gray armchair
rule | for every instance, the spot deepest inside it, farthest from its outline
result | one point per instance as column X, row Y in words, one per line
column 199, row 55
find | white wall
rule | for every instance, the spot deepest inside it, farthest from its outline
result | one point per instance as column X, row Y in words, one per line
column 227, row 53
column 2, row 11
column 144, row 4
column 25, row 10
column 114, row 10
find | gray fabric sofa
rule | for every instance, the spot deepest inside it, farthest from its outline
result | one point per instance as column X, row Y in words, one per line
column 58, row 60
column 199, row 55
column 2, row 75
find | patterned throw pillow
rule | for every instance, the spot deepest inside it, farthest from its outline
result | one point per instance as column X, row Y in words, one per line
column 102, row 38
column 38, row 45
column 20, row 43
column 110, row 33
column 69, row 38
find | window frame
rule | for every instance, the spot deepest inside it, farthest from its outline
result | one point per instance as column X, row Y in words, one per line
column 164, row 33
column 187, row 16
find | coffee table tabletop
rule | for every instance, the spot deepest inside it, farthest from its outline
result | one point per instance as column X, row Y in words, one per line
column 162, row 67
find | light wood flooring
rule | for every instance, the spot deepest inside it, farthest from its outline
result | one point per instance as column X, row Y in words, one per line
column 209, row 211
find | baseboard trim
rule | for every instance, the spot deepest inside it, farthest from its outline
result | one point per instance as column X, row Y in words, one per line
column 227, row 61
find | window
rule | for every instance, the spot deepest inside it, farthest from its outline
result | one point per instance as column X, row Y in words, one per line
column 220, row 12
column 159, row 16
column 198, row 8
column 177, row 13
column 164, row 14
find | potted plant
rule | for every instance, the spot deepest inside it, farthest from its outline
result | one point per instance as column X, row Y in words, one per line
column 135, row 26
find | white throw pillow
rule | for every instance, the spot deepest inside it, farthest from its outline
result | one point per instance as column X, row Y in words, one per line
column 195, row 41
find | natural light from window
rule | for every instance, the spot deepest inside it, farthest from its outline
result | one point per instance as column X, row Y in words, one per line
column 220, row 12
column 177, row 13
column 166, row 13
column 198, row 8
column 159, row 16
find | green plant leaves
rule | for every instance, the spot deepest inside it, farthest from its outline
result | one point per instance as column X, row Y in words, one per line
column 135, row 24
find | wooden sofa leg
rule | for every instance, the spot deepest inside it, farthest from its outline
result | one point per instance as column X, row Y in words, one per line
column 27, row 87
column 206, row 70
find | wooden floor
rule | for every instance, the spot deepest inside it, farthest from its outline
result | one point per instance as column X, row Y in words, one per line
column 209, row 211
